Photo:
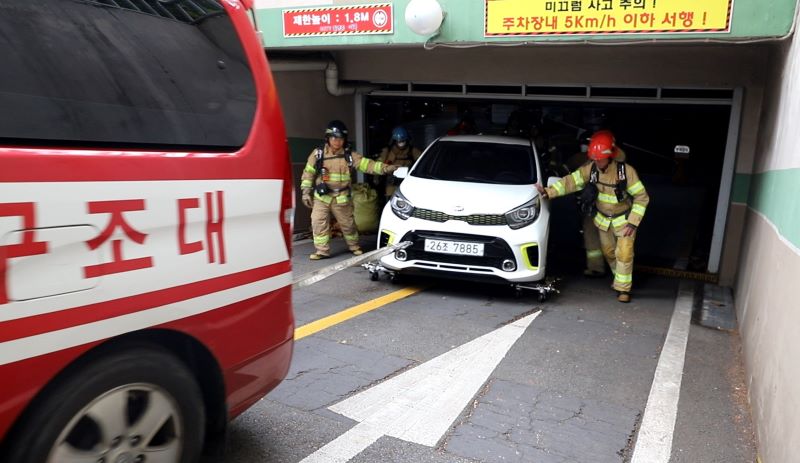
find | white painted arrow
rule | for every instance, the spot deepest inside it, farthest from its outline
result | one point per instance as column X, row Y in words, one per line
column 421, row 404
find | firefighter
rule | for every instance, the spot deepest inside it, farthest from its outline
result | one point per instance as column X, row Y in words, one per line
column 620, row 200
column 325, row 187
column 595, row 263
column 399, row 153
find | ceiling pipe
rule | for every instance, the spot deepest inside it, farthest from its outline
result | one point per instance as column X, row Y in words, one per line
column 332, row 83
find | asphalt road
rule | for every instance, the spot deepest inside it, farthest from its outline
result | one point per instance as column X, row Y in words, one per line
column 571, row 388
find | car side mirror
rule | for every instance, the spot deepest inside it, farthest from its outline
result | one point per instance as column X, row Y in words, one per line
column 401, row 172
column 552, row 181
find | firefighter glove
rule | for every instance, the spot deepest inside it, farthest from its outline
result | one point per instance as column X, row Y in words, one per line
column 307, row 200
column 388, row 169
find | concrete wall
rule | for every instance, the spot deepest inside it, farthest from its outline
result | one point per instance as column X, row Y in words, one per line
column 689, row 65
column 737, row 211
column 307, row 109
column 766, row 291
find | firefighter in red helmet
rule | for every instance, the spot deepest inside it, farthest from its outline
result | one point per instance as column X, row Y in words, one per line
column 619, row 199
column 595, row 262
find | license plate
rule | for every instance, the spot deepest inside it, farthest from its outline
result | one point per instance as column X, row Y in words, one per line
column 461, row 248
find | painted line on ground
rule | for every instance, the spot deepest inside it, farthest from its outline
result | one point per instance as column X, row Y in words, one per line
column 421, row 404
column 360, row 309
column 654, row 441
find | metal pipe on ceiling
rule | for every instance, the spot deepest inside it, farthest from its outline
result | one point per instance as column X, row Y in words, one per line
column 332, row 83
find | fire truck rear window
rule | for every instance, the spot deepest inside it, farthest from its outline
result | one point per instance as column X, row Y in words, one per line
column 123, row 74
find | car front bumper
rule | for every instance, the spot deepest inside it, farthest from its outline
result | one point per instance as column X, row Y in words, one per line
column 526, row 248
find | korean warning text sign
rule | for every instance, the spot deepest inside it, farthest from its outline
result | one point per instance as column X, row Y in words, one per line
column 546, row 17
column 342, row 20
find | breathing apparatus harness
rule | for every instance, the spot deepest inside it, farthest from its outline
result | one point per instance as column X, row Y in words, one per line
column 405, row 151
column 407, row 156
column 322, row 187
column 588, row 197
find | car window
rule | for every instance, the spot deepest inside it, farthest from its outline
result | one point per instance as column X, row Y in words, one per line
column 126, row 74
column 478, row 162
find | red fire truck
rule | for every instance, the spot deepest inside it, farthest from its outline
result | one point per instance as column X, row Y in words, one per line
column 145, row 228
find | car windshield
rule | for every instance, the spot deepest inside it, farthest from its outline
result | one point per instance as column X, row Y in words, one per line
column 478, row 162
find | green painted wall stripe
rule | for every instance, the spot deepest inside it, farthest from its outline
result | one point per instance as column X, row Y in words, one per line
column 741, row 188
column 775, row 195
column 464, row 22
column 300, row 148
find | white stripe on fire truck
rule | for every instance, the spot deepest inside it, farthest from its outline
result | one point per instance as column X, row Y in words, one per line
column 33, row 346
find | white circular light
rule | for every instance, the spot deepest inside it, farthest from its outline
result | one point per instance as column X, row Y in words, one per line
column 424, row 16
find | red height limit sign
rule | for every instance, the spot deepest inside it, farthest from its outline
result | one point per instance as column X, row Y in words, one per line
column 342, row 20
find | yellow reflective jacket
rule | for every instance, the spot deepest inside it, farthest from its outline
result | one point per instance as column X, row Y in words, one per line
column 337, row 174
column 610, row 211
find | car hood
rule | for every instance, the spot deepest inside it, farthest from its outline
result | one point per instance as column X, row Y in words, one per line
column 465, row 198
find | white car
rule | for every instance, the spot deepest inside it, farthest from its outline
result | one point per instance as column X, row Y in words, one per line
column 471, row 211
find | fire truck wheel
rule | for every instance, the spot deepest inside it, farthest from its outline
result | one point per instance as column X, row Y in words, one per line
column 140, row 405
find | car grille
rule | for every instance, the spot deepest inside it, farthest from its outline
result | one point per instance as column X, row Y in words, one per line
column 495, row 250
column 474, row 219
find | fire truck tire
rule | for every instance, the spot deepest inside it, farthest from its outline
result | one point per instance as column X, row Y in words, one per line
column 127, row 406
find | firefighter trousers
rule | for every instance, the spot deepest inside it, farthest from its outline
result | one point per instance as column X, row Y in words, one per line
column 618, row 251
column 321, row 223
column 594, row 250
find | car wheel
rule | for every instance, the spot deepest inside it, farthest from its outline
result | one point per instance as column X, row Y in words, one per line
column 136, row 406
column 374, row 276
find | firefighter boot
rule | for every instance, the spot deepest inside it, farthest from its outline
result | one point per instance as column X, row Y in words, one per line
column 318, row 255
column 357, row 251
column 624, row 297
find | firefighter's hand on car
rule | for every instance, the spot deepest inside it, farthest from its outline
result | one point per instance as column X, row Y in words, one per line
column 541, row 190
column 389, row 169
column 307, row 200
column 629, row 230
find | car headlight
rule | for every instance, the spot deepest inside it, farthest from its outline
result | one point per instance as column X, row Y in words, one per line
column 400, row 206
column 524, row 215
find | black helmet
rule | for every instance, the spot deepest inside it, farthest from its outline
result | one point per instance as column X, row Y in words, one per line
column 336, row 129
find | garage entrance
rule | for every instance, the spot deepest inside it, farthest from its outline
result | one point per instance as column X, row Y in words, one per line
column 676, row 138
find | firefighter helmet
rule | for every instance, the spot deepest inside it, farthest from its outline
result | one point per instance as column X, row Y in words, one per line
column 336, row 129
column 602, row 145
column 399, row 134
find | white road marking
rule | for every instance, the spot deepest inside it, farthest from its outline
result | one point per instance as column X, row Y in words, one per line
column 421, row 404
column 318, row 275
column 654, row 442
